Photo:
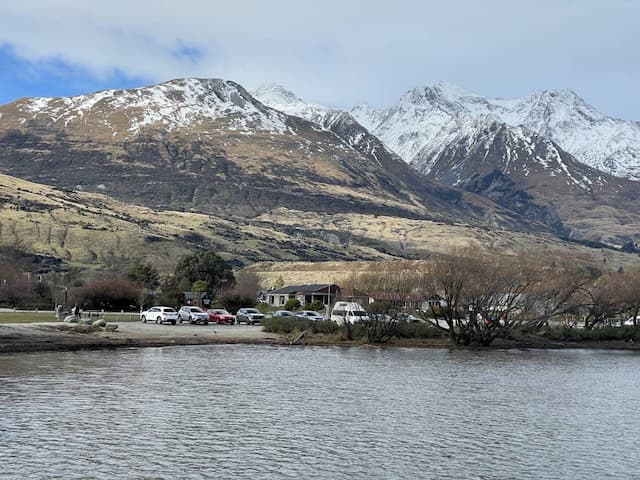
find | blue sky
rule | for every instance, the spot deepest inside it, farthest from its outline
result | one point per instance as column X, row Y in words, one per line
column 337, row 53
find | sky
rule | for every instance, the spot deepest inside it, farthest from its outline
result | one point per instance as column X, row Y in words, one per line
column 333, row 52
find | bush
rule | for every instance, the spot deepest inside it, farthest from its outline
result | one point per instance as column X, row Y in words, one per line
column 316, row 306
column 263, row 308
column 109, row 294
column 292, row 304
column 284, row 325
column 597, row 334
column 418, row 330
column 233, row 301
column 325, row 327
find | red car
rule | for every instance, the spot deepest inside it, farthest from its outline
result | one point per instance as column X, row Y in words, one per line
column 220, row 315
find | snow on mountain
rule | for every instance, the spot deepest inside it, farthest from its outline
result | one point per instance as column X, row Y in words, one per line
column 340, row 122
column 426, row 119
column 174, row 104
column 518, row 153
column 278, row 97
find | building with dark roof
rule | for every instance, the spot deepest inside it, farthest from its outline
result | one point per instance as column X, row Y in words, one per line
column 325, row 293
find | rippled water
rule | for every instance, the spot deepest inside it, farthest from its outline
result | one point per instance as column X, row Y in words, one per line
column 332, row 413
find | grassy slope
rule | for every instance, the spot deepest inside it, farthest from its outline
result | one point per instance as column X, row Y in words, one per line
column 91, row 229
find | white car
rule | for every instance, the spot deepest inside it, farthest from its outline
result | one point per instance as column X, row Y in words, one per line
column 191, row 314
column 309, row 315
column 159, row 315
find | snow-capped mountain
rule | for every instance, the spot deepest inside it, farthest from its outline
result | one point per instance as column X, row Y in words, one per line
column 209, row 146
column 462, row 140
column 522, row 170
column 170, row 105
column 340, row 122
column 427, row 119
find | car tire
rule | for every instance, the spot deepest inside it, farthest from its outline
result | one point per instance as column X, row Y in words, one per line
column 173, row 322
column 144, row 319
column 206, row 322
column 159, row 320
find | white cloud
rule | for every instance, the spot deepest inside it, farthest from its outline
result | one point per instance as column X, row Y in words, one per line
column 339, row 52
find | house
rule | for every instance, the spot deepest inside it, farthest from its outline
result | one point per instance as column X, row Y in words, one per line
column 198, row 299
column 354, row 295
column 324, row 293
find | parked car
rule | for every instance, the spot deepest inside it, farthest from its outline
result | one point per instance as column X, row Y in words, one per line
column 250, row 316
column 220, row 315
column 348, row 312
column 192, row 315
column 632, row 321
column 309, row 315
column 282, row 313
column 159, row 315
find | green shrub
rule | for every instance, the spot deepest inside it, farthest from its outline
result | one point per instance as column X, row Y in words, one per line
column 596, row 334
column 418, row 330
column 284, row 325
column 292, row 304
column 325, row 327
column 263, row 307
column 316, row 306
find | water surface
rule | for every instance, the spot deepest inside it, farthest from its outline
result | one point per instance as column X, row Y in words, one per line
column 332, row 413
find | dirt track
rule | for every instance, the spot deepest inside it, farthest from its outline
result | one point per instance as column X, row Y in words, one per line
column 23, row 337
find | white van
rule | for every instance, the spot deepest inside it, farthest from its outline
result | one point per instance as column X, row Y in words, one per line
column 348, row 312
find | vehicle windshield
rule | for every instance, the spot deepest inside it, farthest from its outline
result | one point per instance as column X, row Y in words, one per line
column 168, row 310
column 251, row 310
column 359, row 313
column 220, row 312
column 195, row 309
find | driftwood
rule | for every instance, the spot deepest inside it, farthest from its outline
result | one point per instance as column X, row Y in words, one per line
column 299, row 338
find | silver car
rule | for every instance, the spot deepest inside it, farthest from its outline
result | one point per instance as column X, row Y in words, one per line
column 191, row 314
column 309, row 315
column 250, row 316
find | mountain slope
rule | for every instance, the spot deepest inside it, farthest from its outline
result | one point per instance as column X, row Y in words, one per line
column 351, row 133
column 528, row 173
column 92, row 230
column 209, row 146
column 426, row 119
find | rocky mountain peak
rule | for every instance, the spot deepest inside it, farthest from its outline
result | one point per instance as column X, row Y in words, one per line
column 179, row 103
column 438, row 92
column 426, row 119
column 275, row 94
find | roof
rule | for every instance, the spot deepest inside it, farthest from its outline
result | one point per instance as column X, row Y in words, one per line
column 313, row 288
column 195, row 295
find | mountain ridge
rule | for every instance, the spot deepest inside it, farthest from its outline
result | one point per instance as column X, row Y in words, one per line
column 426, row 118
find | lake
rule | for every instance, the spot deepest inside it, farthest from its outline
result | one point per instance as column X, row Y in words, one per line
column 261, row 412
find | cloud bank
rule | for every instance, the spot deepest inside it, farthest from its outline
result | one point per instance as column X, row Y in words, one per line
column 339, row 53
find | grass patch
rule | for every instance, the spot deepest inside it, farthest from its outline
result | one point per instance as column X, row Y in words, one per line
column 36, row 317
column 26, row 317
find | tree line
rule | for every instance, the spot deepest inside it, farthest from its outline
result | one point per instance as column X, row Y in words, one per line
column 475, row 297
column 136, row 287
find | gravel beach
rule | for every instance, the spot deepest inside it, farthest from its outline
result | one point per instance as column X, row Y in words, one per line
column 32, row 337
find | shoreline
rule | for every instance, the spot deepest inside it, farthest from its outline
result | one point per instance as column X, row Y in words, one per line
column 56, row 336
